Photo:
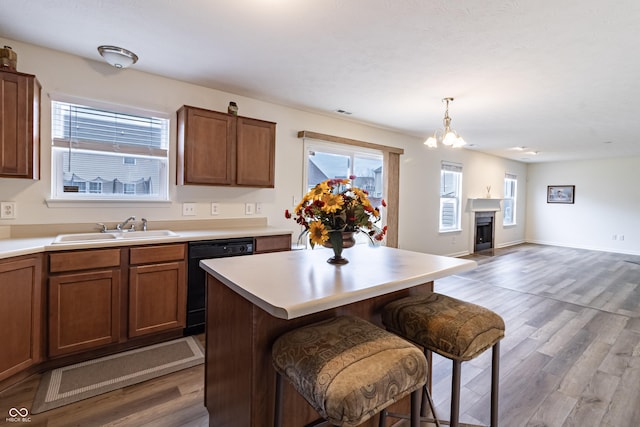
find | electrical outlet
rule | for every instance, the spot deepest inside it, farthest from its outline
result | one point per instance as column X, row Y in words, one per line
column 622, row 237
column 215, row 208
column 7, row 210
column 249, row 208
column 258, row 208
column 188, row 209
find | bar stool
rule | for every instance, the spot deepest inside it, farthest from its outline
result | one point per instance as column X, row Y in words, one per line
column 454, row 329
column 348, row 370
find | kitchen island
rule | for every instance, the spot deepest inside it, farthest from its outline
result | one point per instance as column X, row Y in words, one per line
column 253, row 300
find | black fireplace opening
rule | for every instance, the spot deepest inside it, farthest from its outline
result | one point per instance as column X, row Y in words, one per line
column 484, row 231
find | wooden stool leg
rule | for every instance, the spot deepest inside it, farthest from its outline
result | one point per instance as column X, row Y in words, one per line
column 455, row 394
column 277, row 418
column 495, row 382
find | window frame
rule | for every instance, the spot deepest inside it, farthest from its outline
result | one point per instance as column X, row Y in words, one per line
column 450, row 168
column 86, row 196
column 514, row 179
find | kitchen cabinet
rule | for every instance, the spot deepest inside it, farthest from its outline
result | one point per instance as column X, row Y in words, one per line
column 221, row 149
column 275, row 243
column 255, row 152
column 19, row 125
column 157, row 289
column 84, row 300
column 20, row 314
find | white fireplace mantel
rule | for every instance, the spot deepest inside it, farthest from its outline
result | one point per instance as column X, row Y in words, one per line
column 485, row 204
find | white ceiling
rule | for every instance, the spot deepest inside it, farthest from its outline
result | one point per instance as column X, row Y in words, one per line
column 557, row 77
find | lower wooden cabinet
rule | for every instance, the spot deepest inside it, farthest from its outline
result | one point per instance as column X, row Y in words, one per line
column 20, row 314
column 157, row 289
column 84, row 311
column 157, row 300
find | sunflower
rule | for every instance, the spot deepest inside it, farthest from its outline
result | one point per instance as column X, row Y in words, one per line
column 318, row 234
column 319, row 190
column 332, row 202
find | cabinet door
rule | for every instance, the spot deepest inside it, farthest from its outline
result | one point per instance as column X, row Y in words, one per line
column 20, row 307
column 205, row 147
column 84, row 311
column 19, row 126
column 255, row 152
column 157, row 298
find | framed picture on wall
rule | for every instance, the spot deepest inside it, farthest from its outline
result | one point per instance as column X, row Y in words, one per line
column 561, row 193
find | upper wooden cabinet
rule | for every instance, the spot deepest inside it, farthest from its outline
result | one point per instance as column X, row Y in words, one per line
column 19, row 125
column 221, row 149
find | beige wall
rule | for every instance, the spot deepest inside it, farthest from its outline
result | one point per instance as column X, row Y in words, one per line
column 61, row 73
column 606, row 212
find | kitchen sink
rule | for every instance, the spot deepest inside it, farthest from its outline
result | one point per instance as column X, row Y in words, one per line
column 146, row 234
column 111, row 236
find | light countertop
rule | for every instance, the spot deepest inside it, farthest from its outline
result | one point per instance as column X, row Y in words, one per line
column 26, row 246
column 297, row 283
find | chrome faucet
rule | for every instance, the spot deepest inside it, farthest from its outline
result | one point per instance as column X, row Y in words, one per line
column 126, row 221
column 144, row 224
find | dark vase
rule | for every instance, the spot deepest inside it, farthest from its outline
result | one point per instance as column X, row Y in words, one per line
column 339, row 240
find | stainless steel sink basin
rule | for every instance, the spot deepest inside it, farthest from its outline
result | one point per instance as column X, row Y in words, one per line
column 84, row 237
column 111, row 236
column 146, row 234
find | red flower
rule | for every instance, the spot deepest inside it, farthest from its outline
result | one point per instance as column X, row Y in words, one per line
column 352, row 177
column 287, row 214
column 384, row 204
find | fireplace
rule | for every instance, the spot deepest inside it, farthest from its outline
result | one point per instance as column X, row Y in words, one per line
column 484, row 231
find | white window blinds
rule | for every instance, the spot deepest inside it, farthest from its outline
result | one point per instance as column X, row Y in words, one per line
column 93, row 129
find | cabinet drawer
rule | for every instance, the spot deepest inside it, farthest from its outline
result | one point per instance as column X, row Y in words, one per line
column 84, row 260
column 153, row 254
column 273, row 243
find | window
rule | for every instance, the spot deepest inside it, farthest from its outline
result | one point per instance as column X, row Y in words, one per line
column 450, row 194
column 102, row 154
column 325, row 161
column 510, row 196
column 129, row 189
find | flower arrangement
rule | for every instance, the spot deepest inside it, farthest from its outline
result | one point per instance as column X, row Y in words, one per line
column 334, row 205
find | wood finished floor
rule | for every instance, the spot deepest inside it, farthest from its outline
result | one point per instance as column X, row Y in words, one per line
column 571, row 355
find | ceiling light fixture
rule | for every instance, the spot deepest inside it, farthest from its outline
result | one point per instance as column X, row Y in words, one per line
column 117, row 56
column 448, row 136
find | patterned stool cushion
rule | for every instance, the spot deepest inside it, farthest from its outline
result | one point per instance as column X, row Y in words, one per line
column 349, row 369
column 450, row 327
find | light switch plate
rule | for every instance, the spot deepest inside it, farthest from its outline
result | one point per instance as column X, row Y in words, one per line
column 215, row 208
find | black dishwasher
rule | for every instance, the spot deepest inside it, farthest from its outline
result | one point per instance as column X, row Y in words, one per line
column 196, row 277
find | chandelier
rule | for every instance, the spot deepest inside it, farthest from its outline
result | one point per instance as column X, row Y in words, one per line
column 447, row 137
